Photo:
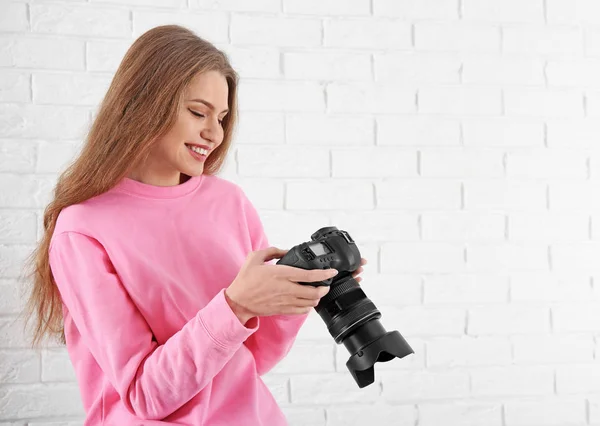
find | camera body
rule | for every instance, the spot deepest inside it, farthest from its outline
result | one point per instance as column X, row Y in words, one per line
column 351, row 317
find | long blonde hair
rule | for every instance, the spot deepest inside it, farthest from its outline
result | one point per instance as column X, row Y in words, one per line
column 140, row 105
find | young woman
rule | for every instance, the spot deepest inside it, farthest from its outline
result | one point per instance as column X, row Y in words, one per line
column 153, row 270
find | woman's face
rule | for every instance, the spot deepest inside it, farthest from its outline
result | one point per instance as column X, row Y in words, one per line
column 195, row 135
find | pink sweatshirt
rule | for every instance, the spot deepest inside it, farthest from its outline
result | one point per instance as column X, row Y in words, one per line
column 141, row 271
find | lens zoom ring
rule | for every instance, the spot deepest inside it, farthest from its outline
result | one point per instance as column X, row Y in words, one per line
column 338, row 290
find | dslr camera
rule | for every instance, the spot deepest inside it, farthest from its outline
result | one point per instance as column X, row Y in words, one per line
column 351, row 317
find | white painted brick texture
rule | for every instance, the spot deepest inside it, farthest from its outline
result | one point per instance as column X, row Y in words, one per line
column 458, row 141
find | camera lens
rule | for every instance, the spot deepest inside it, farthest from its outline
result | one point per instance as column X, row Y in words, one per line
column 346, row 307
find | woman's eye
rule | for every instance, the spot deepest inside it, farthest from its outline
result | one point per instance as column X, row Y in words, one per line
column 197, row 114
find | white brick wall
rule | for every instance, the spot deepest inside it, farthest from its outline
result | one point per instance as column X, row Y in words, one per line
column 456, row 140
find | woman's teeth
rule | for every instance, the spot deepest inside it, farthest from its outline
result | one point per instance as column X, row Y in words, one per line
column 199, row 150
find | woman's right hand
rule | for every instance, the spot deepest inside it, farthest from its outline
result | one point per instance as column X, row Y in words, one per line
column 262, row 289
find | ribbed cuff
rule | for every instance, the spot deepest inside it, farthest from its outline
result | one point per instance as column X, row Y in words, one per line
column 221, row 323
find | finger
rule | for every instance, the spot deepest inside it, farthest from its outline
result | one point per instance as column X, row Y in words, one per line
column 309, row 292
column 358, row 271
column 306, row 275
column 363, row 261
column 268, row 254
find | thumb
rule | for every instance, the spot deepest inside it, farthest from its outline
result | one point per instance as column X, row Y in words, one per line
column 268, row 254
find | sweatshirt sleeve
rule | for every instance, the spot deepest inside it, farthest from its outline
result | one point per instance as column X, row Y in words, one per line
column 152, row 380
column 276, row 334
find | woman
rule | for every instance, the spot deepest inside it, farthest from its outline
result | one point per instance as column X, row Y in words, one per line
column 153, row 270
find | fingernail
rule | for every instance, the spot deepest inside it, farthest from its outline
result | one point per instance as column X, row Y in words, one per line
column 333, row 272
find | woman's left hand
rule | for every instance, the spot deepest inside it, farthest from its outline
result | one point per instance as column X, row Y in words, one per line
column 355, row 274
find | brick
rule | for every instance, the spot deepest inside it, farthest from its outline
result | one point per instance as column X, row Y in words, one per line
column 542, row 40
column 17, row 226
column 212, row 26
column 252, row 125
column 574, row 196
column 14, row 17
column 422, row 257
column 19, row 367
column 275, row 31
column 373, row 162
column 376, row 414
column 553, row 349
column 417, row 130
column 283, row 161
column 80, row 20
column 580, row 257
column 371, row 33
column 12, row 301
column 232, row 5
column 105, row 55
column 298, row 416
column 320, row 355
column 327, row 66
column 468, row 351
column 547, row 411
column 575, row 317
column 24, row 191
column 327, row 195
column 419, row 321
column 279, row 387
column 578, row 12
column 17, row 156
column 40, row 52
column 499, row 70
column 255, row 62
column 413, row 68
column 378, row 226
column 497, row 257
column 287, row 228
column 43, row 121
column 263, row 193
column 69, row 89
column 592, row 41
column 465, row 413
column 330, row 388
column 11, row 328
column 417, row 194
column 460, row 100
column 55, row 156
column 505, row 195
column 548, row 227
column 359, row 98
column 37, row 400
column 508, row 320
column 450, row 36
column 512, row 381
column 573, row 133
column 574, row 73
column 503, row 132
column 461, row 162
column 15, row 86
column 543, row 103
column 462, row 226
column 278, row 96
column 393, row 289
column 550, row 287
column 329, row 8
column 463, row 289
column 56, row 366
column 422, row 386
column 328, row 130
column 509, row 11
column 416, row 9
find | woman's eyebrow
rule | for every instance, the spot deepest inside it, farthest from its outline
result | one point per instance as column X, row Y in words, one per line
column 208, row 104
